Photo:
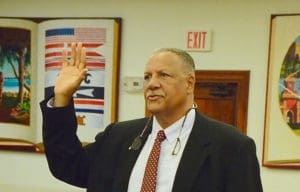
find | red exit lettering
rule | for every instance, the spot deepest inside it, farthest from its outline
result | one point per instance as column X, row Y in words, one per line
column 196, row 40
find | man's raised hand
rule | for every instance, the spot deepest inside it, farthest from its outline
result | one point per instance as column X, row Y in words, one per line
column 71, row 75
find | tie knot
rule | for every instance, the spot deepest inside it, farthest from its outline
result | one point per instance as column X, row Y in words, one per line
column 161, row 135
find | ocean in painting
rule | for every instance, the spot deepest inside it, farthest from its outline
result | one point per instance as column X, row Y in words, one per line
column 12, row 84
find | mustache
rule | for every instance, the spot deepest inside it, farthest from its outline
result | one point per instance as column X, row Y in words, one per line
column 153, row 93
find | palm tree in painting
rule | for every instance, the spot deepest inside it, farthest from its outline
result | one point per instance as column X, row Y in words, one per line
column 15, row 53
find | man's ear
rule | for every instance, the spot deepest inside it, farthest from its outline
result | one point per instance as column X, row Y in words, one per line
column 191, row 80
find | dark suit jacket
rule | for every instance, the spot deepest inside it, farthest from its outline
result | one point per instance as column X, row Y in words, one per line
column 217, row 157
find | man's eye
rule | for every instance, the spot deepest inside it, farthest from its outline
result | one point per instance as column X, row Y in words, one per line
column 164, row 75
column 146, row 77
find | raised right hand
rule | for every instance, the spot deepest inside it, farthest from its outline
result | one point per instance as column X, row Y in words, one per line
column 71, row 75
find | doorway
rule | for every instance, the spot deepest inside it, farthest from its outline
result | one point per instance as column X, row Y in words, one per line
column 223, row 95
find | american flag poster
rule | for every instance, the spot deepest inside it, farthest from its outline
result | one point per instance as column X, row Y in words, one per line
column 89, row 100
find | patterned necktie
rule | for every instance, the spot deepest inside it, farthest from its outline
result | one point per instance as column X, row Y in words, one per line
column 150, row 175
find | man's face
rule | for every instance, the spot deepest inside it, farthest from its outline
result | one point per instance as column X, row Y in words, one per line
column 166, row 85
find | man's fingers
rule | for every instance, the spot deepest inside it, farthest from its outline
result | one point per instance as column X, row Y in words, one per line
column 64, row 58
column 73, row 54
column 82, row 63
column 78, row 54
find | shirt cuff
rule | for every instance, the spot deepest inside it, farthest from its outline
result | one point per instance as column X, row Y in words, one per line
column 50, row 102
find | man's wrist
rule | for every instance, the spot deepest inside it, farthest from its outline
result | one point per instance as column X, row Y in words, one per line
column 61, row 101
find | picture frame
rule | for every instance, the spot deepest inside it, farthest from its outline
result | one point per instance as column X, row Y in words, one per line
column 96, row 101
column 282, row 111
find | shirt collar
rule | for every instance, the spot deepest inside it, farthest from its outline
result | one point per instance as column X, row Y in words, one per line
column 173, row 131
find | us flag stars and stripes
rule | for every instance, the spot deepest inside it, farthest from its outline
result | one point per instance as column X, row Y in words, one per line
column 89, row 99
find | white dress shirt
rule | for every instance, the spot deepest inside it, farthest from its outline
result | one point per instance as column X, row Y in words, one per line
column 168, row 163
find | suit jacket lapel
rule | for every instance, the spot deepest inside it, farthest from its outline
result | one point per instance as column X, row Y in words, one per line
column 195, row 153
column 128, row 158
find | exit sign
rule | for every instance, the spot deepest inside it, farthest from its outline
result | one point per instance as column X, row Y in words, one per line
column 198, row 40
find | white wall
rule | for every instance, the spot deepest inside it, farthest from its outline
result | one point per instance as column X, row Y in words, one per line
column 240, row 41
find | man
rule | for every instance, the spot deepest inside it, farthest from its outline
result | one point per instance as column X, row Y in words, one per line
column 197, row 153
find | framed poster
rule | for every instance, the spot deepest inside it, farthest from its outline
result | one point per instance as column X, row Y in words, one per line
column 282, row 115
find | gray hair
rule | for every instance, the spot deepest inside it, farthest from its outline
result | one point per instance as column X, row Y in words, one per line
column 187, row 59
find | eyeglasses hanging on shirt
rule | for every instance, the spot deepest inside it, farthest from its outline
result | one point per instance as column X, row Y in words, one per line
column 137, row 142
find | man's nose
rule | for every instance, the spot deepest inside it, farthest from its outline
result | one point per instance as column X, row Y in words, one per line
column 152, row 83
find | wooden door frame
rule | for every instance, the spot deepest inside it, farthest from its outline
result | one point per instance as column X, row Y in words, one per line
column 241, row 78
